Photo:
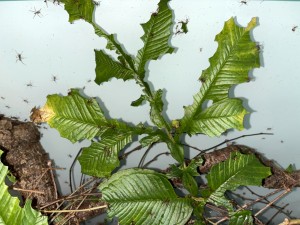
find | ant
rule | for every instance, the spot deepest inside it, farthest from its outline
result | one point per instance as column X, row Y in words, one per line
column 36, row 12
column 3, row 98
column 70, row 156
column 29, row 84
column 294, row 28
column 54, row 78
column 26, row 101
column 7, row 106
column 181, row 27
column 259, row 47
column 46, row 1
column 96, row 3
column 244, row 2
column 56, row 1
column 19, row 57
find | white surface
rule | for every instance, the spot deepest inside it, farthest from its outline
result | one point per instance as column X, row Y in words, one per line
column 53, row 47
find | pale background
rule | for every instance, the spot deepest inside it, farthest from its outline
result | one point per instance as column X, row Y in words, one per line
column 51, row 46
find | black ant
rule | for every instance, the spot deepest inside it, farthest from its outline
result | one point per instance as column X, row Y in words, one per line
column 26, row 101
column 181, row 27
column 36, row 12
column 7, row 106
column 29, row 84
column 259, row 47
column 201, row 49
column 3, row 98
column 96, row 3
column 19, row 57
column 294, row 28
column 244, row 2
column 56, row 1
column 46, row 1
column 89, row 81
column 70, row 155
column 54, row 78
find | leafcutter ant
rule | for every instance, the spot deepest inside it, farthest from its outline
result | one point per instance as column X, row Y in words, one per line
column 96, row 3
column 181, row 27
column 294, row 28
column 19, row 57
column 56, row 1
column 259, row 46
column 29, row 84
column 26, row 101
column 54, row 78
column 36, row 12
column 244, row 2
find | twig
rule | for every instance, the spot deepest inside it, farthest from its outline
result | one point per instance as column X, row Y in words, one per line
column 155, row 158
column 290, row 222
column 125, row 155
column 278, row 211
column 145, row 154
column 217, row 209
column 71, row 169
column 49, row 163
column 271, row 203
column 75, row 210
column 260, row 198
column 26, row 190
column 233, row 139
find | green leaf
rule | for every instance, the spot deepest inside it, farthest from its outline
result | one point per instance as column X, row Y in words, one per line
column 107, row 68
column 125, row 59
column 177, row 172
column 290, row 168
column 235, row 57
column 223, row 115
column 186, row 174
column 10, row 211
column 101, row 158
column 157, row 108
column 236, row 171
column 198, row 210
column 150, row 139
column 139, row 101
column 79, row 9
column 139, row 196
column 157, row 34
column 76, row 117
column 176, row 150
column 190, row 183
column 244, row 217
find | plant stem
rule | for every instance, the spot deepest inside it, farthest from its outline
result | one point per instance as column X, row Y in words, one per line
column 75, row 210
